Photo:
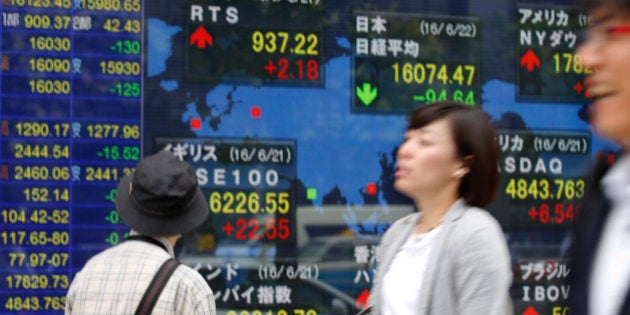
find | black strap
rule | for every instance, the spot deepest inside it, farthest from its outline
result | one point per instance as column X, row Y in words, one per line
column 150, row 297
column 147, row 239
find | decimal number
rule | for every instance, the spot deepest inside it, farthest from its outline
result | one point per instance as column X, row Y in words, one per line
column 112, row 5
column 44, row 194
column 36, row 282
column 429, row 73
column 98, row 174
column 285, row 42
column 41, row 151
column 36, row 216
column 432, row 95
column 240, row 202
column 114, row 25
column 543, row 189
column 273, row 312
column 38, row 259
column 62, row 4
column 555, row 214
column 55, row 173
column 41, row 129
column 252, row 229
column 113, row 131
column 45, row 22
column 35, row 303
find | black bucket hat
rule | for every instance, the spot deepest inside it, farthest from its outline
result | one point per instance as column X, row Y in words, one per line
column 162, row 197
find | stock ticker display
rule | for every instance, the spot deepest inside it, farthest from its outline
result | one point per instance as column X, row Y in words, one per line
column 290, row 112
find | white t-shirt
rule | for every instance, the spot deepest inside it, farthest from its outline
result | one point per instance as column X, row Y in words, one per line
column 402, row 283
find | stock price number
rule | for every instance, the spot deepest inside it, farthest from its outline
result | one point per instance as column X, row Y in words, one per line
column 285, row 42
column 430, row 73
column 37, row 282
column 240, row 202
column 35, row 303
column 556, row 214
column 117, row 67
column 114, row 25
column 49, row 87
column 36, row 216
column 271, row 229
column 41, row 151
column 48, row 43
column 113, row 131
column 41, row 129
column 106, row 174
column 567, row 62
column 112, row 5
column 44, row 194
column 273, row 312
column 38, row 259
column 299, row 69
column 45, row 22
column 544, row 189
column 50, row 65
column 60, row 4
column 35, row 238
column 55, row 173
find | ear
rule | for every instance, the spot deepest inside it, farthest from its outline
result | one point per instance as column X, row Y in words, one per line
column 465, row 167
column 461, row 172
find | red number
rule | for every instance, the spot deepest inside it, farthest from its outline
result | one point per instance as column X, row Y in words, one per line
column 283, row 226
column 241, row 225
column 312, row 70
column 272, row 231
column 544, row 213
column 559, row 213
column 283, row 66
column 569, row 213
column 253, row 223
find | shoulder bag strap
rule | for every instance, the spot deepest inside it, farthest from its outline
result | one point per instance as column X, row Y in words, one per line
column 150, row 297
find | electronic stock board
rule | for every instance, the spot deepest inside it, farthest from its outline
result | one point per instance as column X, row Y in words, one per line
column 290, row 112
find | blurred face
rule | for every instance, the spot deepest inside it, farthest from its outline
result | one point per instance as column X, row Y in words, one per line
column 427, row 161
column 606, row 52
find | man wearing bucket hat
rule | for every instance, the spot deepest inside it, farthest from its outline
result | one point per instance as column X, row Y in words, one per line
column 160, row 201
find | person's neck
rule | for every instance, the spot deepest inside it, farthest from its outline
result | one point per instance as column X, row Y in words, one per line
column 172, row 239
column 433, row 210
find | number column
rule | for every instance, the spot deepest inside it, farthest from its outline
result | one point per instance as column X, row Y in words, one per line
column 35, row 155
column 107, row 107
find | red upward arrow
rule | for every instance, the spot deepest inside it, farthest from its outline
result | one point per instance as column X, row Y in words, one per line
column 529, row 60
column 201, row 37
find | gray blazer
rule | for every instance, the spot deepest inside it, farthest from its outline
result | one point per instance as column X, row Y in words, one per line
column 469, row 269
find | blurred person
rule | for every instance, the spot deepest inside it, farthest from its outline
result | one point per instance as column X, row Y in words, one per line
column 600, row 268
column 160, row 201
column 450, row 257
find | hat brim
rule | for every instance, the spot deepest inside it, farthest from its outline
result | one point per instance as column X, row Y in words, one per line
column 153, row 225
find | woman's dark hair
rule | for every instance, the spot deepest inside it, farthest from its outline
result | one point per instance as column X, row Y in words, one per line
column 476, row 145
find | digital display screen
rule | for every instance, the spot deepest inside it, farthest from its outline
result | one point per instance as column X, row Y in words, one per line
column 291, row 113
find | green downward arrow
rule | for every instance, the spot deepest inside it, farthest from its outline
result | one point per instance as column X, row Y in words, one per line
column 367, row 94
